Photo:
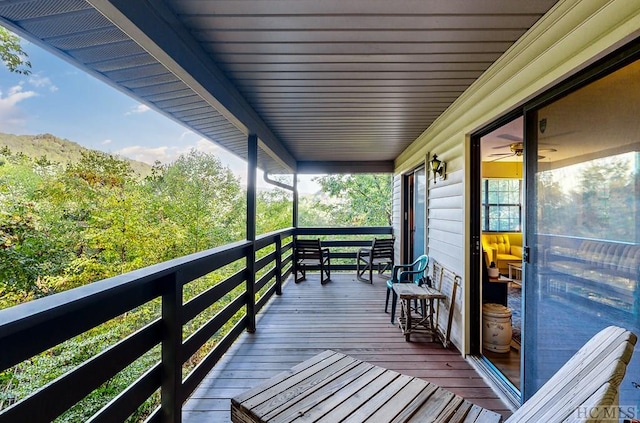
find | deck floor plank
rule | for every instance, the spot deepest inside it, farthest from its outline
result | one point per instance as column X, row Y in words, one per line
column 344, row 315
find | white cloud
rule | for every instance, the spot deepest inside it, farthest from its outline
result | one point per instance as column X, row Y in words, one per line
column 140, row 108
column 12, row 118
column 106, row 142
column 207, row 146
column 149, row 154
column 16, row 94
column 167, row 154
column 39, row 81
column 186, row 134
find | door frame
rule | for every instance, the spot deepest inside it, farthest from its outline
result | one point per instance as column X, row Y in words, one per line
column 407, row 225
column 475, row 227
column 409, row 203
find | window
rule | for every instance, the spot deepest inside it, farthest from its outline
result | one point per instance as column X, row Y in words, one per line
column 501, row 205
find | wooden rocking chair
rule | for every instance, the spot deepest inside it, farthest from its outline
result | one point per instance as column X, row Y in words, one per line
column 309, row 252
column 380, row 254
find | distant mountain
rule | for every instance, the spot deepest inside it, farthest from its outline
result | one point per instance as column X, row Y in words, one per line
column 57, row 150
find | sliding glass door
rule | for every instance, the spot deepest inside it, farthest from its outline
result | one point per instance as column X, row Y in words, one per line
column 583, row 224
column 415, row 189
column 420, row 222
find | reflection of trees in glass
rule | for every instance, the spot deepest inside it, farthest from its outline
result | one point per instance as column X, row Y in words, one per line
column 606, row 192
column 601, row 205
column 554, row 214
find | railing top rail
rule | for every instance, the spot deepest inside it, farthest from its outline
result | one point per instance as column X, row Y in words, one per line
column 266, row 239
column 357, row 230
column 280, row 232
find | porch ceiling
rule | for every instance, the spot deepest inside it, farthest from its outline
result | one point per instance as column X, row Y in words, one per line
column 344, row 85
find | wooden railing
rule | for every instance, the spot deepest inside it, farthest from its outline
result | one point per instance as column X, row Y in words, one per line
column 34, row 327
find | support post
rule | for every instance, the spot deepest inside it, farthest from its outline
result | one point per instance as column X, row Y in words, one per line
column 294, row 218
column 294, row 264
column 252, row 170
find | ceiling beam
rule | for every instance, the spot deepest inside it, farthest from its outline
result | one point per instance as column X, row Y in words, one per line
column 331, row 167
column 154, row 27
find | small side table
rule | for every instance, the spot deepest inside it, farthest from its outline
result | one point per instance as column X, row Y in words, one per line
column 407, row 292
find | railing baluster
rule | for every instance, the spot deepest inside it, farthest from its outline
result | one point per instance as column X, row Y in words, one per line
column 251, row 294
column 171, row 350
column 279, row 265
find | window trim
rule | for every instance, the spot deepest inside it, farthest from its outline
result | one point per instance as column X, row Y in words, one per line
column 484, row 203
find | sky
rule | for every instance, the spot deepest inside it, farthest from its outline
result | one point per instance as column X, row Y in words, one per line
column 62, row 100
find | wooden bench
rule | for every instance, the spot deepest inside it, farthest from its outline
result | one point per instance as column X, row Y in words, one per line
column 332, row 387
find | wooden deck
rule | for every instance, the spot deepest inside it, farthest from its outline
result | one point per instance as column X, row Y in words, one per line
column 344, row 315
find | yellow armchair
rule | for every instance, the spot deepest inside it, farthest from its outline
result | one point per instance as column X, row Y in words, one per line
column 499, row 249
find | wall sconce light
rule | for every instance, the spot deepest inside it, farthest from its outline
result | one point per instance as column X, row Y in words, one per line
column 439, row 169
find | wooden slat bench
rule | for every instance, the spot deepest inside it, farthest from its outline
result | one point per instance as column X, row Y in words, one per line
column 585, row 389
column 333, row 387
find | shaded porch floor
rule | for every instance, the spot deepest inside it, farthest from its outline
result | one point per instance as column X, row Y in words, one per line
column 345, row 315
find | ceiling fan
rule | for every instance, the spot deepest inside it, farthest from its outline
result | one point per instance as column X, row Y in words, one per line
column 517, row 149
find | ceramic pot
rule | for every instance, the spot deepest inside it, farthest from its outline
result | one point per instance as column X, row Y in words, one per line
column 496, row 328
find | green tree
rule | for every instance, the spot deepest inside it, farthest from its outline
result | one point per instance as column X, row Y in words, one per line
column 202, row 196
column 309, row 214
column 65, row 227
column 358, row 200
column 28, row 248
column 87, row 208
column 12, row 54
column 274, row 210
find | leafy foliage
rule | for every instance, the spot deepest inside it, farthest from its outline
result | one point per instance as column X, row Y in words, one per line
column 361, row 199
column 274, row 210
column 66, row 226
column 12, row 54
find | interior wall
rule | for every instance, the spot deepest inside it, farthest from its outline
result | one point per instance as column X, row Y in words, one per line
column 571, row 36
column 510, row 170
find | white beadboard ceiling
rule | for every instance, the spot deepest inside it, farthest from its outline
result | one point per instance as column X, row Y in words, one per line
column 341, row 85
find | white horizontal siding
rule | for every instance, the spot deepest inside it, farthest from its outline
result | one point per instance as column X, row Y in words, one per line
column 445, row 229
column 572, row 35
